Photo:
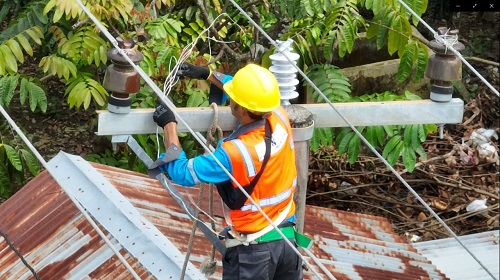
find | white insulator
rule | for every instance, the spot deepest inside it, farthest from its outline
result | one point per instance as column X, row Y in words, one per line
column 282, row 66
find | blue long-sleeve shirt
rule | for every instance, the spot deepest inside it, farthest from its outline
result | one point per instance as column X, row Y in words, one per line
column 203, row 168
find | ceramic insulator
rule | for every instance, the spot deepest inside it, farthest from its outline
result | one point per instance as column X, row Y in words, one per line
column 284, row 70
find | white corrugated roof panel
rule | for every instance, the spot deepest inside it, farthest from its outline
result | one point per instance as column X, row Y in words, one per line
column 454, row 261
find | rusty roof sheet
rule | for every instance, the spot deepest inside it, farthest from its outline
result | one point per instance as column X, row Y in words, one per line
column 47, row 229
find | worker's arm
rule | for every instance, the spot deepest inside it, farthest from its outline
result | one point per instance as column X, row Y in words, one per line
column 189, row 172
column 170, row 130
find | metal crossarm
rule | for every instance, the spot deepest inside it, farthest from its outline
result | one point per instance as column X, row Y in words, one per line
column 140, row 121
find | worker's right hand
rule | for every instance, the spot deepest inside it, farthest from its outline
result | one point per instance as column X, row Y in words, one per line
column 163, row 115
column 192, row 71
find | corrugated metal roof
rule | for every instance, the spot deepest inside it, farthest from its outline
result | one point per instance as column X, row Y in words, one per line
column 59, row 243
column 457, row 263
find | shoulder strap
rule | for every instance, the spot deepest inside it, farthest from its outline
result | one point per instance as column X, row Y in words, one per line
column 267, row 140
column 245, row 129
column 241, row 198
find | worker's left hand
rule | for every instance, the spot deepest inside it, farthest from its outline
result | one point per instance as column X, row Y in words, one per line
column 192, row 71
column 163, row 115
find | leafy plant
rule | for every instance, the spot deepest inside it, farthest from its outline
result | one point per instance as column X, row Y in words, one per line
column 394, row 141
column 16, row 162
column 323, row 29
column 336, row 88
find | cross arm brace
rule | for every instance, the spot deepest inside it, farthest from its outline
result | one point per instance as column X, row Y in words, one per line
column 140, row 121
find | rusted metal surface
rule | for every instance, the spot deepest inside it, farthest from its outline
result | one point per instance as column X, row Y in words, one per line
column 59, row 243
column 357, row 246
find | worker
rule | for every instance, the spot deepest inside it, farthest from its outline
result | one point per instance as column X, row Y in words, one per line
column 260, row 155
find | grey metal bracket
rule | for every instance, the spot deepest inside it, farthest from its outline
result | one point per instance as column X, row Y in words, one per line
column 120, row 218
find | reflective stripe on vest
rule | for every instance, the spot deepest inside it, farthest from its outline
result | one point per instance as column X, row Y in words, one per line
column 274, row 200
column 247, row 158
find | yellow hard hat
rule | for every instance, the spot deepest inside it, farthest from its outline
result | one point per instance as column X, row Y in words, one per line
column 254, row 88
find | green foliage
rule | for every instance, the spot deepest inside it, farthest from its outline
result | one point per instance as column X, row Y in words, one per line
column 331, row 28
column 27, row 91
column 308, row 41
column 26, row 15
column 101, row 9
column 395, row 141
column 34, row 94
column 58, row 66
column 165, row 28
column 11, row 50
column 392, row 27
column 415, row 57
column 342, row 23
column 84, row 47
column 330, row 81
column 301, row 9
column 336, row 88
column 121, row 158
column 83, row 89
column 16, row 163
column 328, row 27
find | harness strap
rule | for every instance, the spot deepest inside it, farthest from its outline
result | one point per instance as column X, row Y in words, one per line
column 246, row 238
column 289, row 232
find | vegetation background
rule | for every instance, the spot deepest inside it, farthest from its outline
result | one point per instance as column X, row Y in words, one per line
column 53, row 60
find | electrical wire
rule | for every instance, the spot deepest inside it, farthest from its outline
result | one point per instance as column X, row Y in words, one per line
column 19, row 255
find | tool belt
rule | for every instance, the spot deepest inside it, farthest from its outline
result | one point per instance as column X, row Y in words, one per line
column 273, row 235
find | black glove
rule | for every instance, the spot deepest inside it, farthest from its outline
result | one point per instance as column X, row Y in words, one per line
column 163, row 115
column 192, row 71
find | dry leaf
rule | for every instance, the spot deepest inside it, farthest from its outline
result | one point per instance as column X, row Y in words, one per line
column 443, row 193
column 451, row 161
column 421, row 217
column 439, row 204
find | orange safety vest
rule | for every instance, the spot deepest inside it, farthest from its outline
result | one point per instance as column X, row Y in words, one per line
column 274, row 190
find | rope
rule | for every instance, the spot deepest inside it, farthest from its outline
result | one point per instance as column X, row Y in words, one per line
column 193, row 232
column 19, row 255
column 214, row 127
column 207, row 266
